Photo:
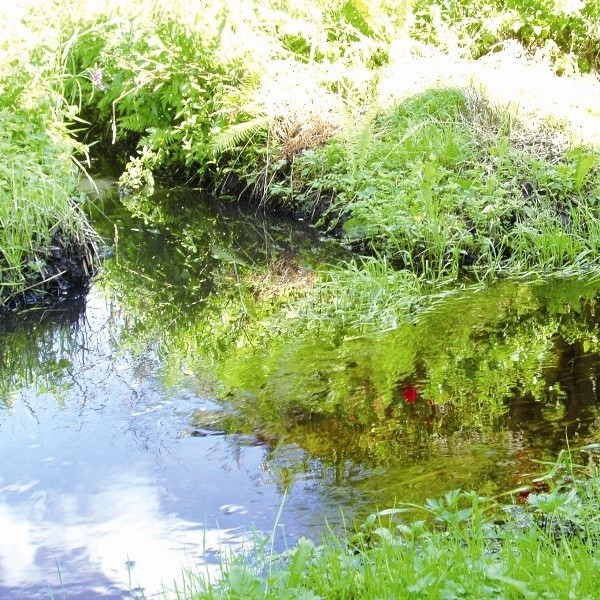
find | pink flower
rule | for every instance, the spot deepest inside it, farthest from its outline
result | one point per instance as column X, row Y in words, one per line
column 97, row 79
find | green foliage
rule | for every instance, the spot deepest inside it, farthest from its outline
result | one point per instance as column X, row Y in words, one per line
column 568, row 27
column 346, row 31
column 467, row 27
column 438, row 187
column 177, row 85
column 162, row 83
column 364, row 294
column 39, row 201
column 565, row 30
column 483, row 550
column 233, row 136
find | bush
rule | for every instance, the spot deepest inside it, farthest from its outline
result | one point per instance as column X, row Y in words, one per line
column 158, row 84
column 566, row 29
column 446, row 183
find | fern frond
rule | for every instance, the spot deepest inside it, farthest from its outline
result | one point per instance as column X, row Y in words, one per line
column 137, row 122
column 236, row 134
column 360, row 141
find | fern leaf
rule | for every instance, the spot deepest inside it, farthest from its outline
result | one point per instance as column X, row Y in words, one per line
column 236, row 134
column 360, row 141
column 136, row 122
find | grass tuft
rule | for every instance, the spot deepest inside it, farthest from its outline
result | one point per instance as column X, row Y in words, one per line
column 460, row 545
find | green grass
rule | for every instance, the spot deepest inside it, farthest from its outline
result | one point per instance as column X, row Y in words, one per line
column 39, row 202
column 442, row 186
column 38, row 208
column 459, row 546
column 283, row 99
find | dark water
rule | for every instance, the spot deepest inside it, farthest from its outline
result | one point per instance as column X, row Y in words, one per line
column 117, row 470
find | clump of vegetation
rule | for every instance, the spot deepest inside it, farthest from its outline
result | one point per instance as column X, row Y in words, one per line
column 461, row 545
column 565, row 30
column 446, row 183
column 46, row 244
column 158, row 79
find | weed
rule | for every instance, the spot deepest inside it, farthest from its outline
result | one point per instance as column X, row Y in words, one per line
column 40, row 208
column 467, row 546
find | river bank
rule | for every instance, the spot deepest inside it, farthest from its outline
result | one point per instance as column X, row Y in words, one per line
column 449, row 156
column 391, row 125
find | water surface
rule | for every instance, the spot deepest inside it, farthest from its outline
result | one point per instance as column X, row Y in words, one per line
column 154, row 424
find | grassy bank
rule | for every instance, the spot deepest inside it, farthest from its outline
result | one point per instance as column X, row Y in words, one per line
column 340, row 112
column 459, row 546
column 315, row 110
column 46, row 245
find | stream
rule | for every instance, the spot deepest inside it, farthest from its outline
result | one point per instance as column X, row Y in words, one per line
column 153, row 426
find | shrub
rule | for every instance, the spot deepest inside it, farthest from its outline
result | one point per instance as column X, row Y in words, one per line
column 445, row 183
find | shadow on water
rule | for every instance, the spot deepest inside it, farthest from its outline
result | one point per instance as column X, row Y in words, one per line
column 149, row 425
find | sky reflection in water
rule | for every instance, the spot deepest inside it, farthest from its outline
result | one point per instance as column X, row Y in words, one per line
column 103, row 490
column 102, row 481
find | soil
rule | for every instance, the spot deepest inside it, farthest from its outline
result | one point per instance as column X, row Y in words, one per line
column 69, row 266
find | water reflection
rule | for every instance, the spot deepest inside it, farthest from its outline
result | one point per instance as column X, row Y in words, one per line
column 473, row 394
column 102, row 487
column 116, row 471
column 99, row 494
column 100, row 538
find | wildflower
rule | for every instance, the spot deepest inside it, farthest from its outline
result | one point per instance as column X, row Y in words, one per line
column 97, row 79
column 410, row 394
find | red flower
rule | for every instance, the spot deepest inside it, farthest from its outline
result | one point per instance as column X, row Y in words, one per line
column 410, row 394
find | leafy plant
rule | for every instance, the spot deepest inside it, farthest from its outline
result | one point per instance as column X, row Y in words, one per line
column 486, row 550
column 438, row 187
column 566, row 31
column 41, row 219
